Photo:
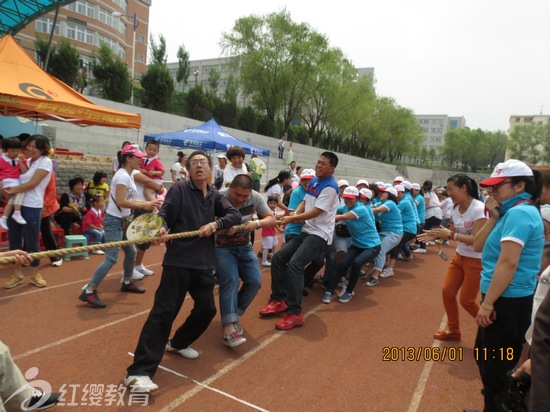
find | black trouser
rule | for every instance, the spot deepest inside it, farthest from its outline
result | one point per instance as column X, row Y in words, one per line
column 66, row 219
column 498, row 347
column 429, row 224
column 401, row 247
column 47, row 236
column 174, row 285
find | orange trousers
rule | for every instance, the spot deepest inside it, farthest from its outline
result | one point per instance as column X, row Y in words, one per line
column 464, row 275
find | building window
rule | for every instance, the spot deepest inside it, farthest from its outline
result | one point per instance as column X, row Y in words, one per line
column 80, row 33
column 528, row 119
column 123, row 4
column 82, row 7
column 140, row 58
column 44, row 25
column 115, row 47
column 518, row 119
column 141, row 38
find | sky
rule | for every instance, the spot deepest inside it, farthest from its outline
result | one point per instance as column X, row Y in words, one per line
column 482, row 59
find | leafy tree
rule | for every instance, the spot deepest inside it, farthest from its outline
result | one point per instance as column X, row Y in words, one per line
column 247, row 119
column 183, row 65
column 158, row 87
column 496, row 147
column 198, row 105
column 545, row 142
column 213, row 80
column 158, row 51
column 111, row 75
column 231, row 90
column 524, row 142
column 64, row 61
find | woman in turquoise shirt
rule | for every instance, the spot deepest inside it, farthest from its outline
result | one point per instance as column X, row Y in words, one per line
column 511, row 243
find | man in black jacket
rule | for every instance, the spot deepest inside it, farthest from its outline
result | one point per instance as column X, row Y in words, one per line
column 187, row 267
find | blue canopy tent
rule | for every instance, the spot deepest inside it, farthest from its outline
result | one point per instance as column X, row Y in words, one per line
column 209, row 137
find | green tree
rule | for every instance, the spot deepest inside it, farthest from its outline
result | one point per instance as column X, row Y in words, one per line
column 545, row 141
column 158, row 87
column 158, row 51
column 64, row 61
column 524, row 143
column 182, row 75
column 198, row 105
column 111, row 75
column 213, row 80
column 496, row 147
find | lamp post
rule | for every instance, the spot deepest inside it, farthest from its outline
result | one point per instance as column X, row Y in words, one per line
column 135, row 23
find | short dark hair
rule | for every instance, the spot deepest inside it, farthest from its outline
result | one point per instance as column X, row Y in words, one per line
column 152, row 142
column 197, row 153
column 41, row 142
column 74, row 181
column 11, row 143
column 235, row 151
column 100, row 174
column 333, row 159
column 242, row 181
column 272, row 199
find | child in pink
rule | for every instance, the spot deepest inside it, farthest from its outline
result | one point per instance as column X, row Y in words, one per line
column 269, row 235
column 92, row 224
column 12, row 164
column 152, row 167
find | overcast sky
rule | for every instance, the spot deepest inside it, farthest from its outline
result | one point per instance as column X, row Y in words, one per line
column 481, row 59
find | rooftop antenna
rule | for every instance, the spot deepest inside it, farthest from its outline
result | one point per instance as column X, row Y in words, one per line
column 541, row 108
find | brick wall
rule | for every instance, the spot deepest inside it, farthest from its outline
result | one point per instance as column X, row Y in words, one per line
column 69, row 166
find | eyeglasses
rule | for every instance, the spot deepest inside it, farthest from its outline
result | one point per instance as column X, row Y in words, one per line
column 494, row 188
column 202, row 162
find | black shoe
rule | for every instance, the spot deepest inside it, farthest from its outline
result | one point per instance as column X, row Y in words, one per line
column 131, row 287
column 92, row 299
column 40, row 400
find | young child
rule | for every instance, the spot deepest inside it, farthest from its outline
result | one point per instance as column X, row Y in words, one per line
column 12, row 165
column 92, row 224
column 269, row 235
column 152, row 167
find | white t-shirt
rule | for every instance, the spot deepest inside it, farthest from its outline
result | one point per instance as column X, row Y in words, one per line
column 432, row 208
column 121, row 177
column 35, row 197
column 543, row 286
column 464, row 225
column 177, row 167
column 327, row 201
column 230, row 172
column 447, row 207
column 275, row 190
column 140, row 188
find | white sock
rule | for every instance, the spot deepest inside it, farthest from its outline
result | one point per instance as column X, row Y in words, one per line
column 139, row 266
column 265, row 252
column 17, row 213
column 4, row 218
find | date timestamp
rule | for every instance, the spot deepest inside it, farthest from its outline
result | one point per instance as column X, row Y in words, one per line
column 421, row 353
column 500, row 354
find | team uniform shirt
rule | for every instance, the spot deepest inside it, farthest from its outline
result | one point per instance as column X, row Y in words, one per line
column 10, row 171
column 230, row 172
column 35, row 197
column 420, row 207
column 433, row 209
column 522, row 224
column 390, row 221
column 409, row 198
column 464, row 224
column 151, row 164
column 93, row 218
column 121, row 177
column 407, row 215
column 322, row 194
column 376, row 202
column 254, row 204
column 363, row 228
column 296, row 197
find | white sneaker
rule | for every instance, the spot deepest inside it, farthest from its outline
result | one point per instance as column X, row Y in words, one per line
column 266, row 264
column 98, row 252
column 19, row 219
column 188, row 352
column 137, row 275
column 140, row 384
column 58, row 262
column 420, row 250
column 144, row 271
column 430, row 243
column 387, row 273
column 4, row 223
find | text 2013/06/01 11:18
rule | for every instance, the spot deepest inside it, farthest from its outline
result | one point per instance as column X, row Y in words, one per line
column 421, row 353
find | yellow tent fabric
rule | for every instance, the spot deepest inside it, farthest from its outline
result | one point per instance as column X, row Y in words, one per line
column 28, row 91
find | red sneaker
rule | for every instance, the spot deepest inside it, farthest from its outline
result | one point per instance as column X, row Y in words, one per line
column 447, row 335
column 273, row 308
column 290, row 321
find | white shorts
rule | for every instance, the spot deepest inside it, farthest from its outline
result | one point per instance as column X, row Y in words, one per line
column 269, row 242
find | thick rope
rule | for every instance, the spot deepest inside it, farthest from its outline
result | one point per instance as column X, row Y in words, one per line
column 103, row 246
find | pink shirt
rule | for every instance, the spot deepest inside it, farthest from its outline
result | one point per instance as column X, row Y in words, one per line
column 153, row 164
column 8, row 169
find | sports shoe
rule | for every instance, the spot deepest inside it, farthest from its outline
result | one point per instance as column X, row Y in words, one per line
column 131, row 287
column 13, row 281
column 40, row 400
column 92, row 299
column 273, row 308
column 373, row 281
column 98, row 252
column 19, row 219
column 234, row 339
column 346, row 297
column 57, row 263
column 430, row 243
column 38, row 281
column 137, row 275
column 447, row 335
column 144, row 271
column 420, row 250
column 327, row 297
column 4, row 223
column 290, row 321
column 387, row 273
column 239, row 329
column 266, row 264
column 142, row 384
column 187, row 352
column 342, row 291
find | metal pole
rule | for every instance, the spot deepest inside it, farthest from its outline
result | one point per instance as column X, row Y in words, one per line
column 133, row 65
column 51, row 38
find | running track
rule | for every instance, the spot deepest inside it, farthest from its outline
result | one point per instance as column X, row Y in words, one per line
column 333, row 363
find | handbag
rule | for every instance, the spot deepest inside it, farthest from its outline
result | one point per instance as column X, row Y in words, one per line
column 126, row 220
column 342, row 231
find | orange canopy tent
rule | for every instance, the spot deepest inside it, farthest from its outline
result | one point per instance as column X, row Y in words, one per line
column 28, row 91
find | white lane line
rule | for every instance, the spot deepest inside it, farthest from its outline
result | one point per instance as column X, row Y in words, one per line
column 421, row 385
column 79, row 335
column 209, row 387
column 205, row 384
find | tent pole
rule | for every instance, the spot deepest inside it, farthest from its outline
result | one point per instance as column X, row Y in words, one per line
column 50, row 40
column 267, row 174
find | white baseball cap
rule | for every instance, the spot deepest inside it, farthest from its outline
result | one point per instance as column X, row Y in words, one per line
column 350, row 192
column 415, row 186
column 366, row 193
column 398, row 179
column 399, row 188
column 307, row 174
column 407, row 185
column 343, row 182
column 510, row 168
column 389, row 190
column 362, row 182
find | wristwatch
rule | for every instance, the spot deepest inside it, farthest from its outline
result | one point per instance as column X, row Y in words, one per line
column 213, row 227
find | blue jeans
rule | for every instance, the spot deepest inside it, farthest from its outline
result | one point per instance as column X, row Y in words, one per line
column 114, row 233
column 29, row 233
column 287, row 269
column 232, row 264
column 96, row 234
column 389, row 241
